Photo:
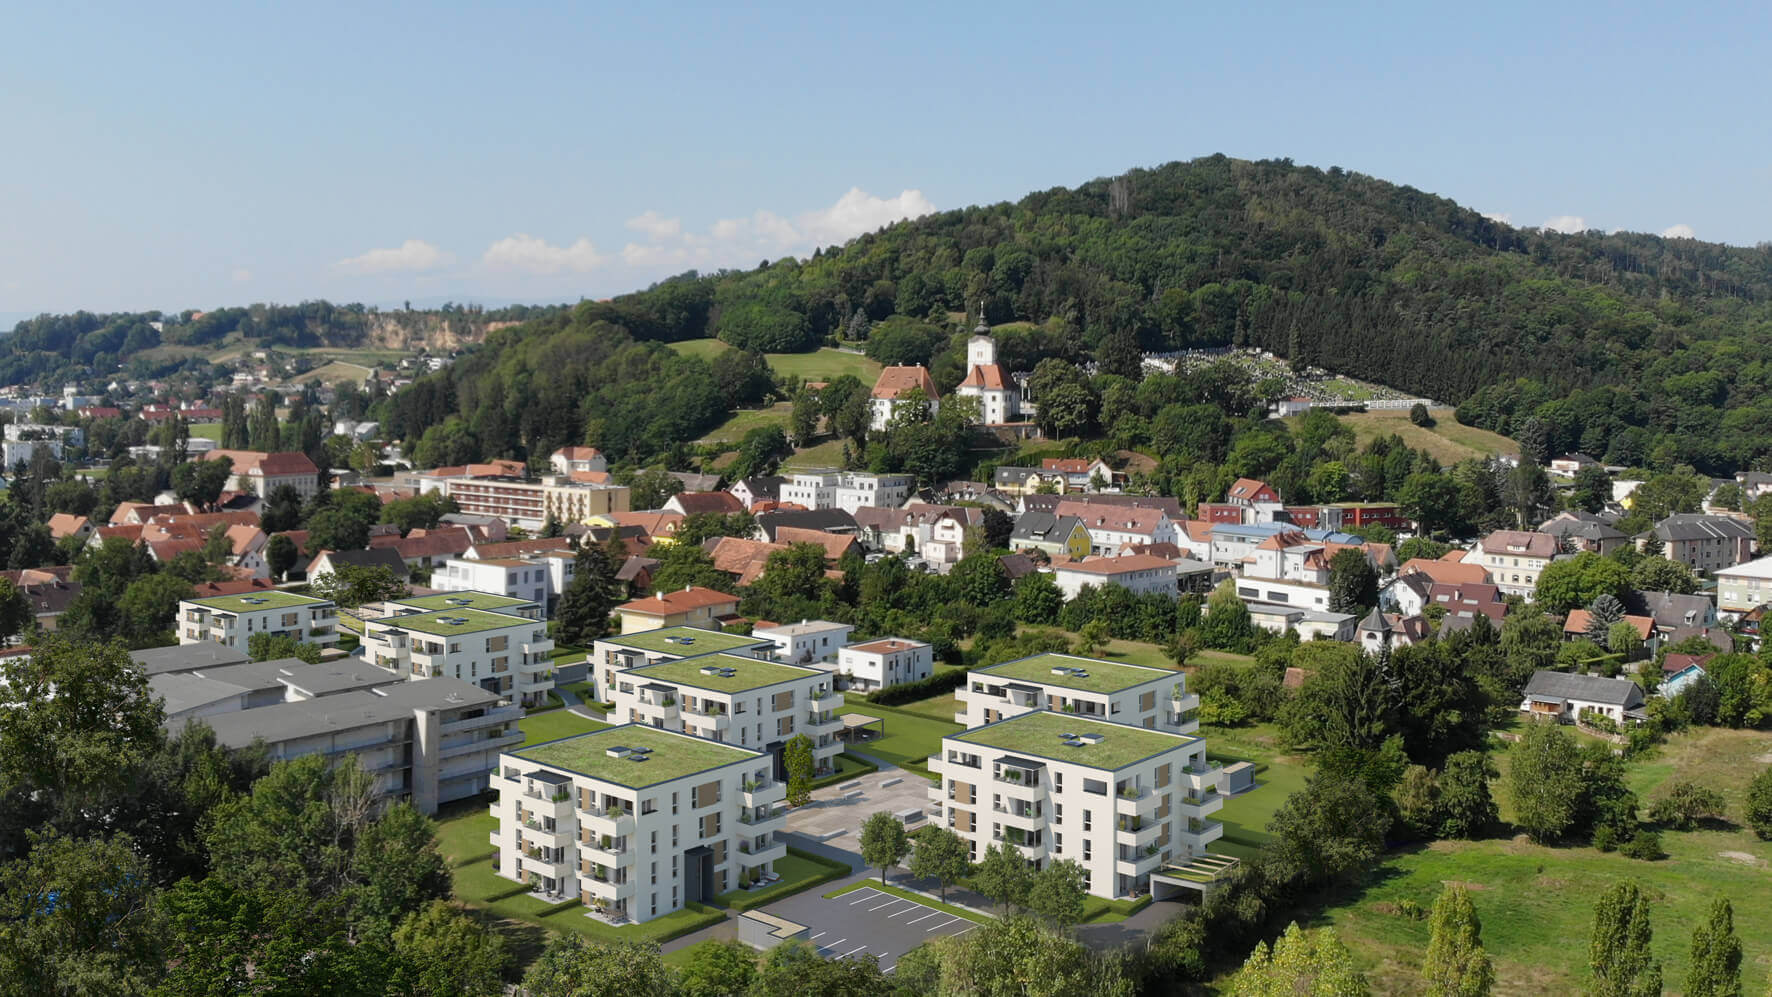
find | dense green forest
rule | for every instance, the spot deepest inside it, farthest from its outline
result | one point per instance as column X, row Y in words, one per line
column 1640, row 349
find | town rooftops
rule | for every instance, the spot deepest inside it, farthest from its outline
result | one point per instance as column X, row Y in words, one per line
column 722, row 672
column 685, row 641
column 1119, row 565
column 608, row 755
column 1580, row 619
column 1696, row 526
column 1247, row 489
column 1557, row 687
column 450, row 622
column 717, row 503
column 486, row 601
column 1522, row 543
column 1445, row 572
column 1068, row 737
column 578, row 453
column 1758, row 568
column 680, row 601
column 1068, row 671
column 895, row 381
column 252, row 602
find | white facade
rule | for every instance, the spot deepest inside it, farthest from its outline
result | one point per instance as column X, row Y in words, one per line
column 1137, row 573
column 1745, row 586
column 808, row 642
column 231, row 620
column 1151, row 698
column 501, row 653
column 519, row 578
column 882, row 664
column 846, row 490
column 638, row 844
column 1122, row 802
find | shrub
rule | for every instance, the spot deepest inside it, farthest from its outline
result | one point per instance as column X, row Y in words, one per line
column 1685, row 805
column 1759, row 804
column 1645, row 846
column 1605, row 839
column 910, row 692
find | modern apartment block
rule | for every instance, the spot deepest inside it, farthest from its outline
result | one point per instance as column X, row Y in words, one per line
column 613, row 654
column 883, row 663
column 735, row 699
column 635, row 821
column 806, row 642
column 1121, row 801
column 827, row 488
column 488, row 600
column 516, row 577
column 427, row 743
column 1139, row 695
column 501, row 653
column 231, row 620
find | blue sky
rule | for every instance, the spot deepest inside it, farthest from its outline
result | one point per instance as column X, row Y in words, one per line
column 172, row 155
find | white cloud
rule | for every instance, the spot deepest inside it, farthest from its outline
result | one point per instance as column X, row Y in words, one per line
column 241, row 275
column 858, row 212
column 411, row 256
column 1680, row 231
column 765, row 234
column 1566, row 224
column 1500, row 216
column 526, row 252
column 655, row 226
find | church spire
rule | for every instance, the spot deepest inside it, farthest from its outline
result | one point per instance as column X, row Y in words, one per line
column 983, row 328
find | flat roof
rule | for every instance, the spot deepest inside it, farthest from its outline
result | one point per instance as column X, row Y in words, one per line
column 1039, row 734
column 670, row 640
column 449, row 622
column 1104, row 676
column 670, row 755
column 345, row 711
column 248, row 602
column 748, row 673
column 462, row 600
column 186, row 657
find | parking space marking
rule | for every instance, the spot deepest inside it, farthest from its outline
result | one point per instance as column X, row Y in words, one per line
column 912, row 909
column 943, row 924
column 873, row 893
column 833, row 945
column 925, row 917
column 815, row 936
column 852, row 951
column 887, row 904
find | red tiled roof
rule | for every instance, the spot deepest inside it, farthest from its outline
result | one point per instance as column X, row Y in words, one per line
column 895, row 381
column 1119, row 565
column 1520, row 542
column 1247, row 488
column 834, row 546
column 1448, row 572
column 578, row 453
column 66, row 524
column 1578, row 619
column 682, row 600
column 1067, row 465
column 718, row 503
column 514, row 548
column 990, row 377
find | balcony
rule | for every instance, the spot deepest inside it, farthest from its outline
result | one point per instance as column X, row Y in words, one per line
column 1199, row 777
column 496, row 742
column 756, row 854
column 830, row 699
column 1027, row 818
column 762, row 794
column 822, row 723
column 614, row 822
column 607, row 889
column 598, row 854
column 771, row 820
column 708, row 720
column 1200, row 833
column 541, row 862
column 1136, row 832
column 544, row 802
column 662, row 712
column 510, row 714
column 1199, row 804
column 1138, row 862
column 534, row 682
column 1135, row 801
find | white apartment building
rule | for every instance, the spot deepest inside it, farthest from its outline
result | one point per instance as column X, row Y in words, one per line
column 529, row 504
column 231, row 620
column 610, row 655
column 498, row 652
column 1121, row 801
column 634, row 821
column 808, row 642
column 1139, row 695
column 735, row 699
column 826, row 488
column 1745, row 586
column 491, row 602
column 1137, row 573
column 1515, row 558
column 884, row 663
column 1112, row 527
column 515, row 577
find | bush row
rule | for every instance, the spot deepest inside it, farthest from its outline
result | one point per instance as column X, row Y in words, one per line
column 909, row 692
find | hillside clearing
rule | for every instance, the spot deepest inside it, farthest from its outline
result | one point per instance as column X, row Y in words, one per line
column 1448, row 440
column 824, row 364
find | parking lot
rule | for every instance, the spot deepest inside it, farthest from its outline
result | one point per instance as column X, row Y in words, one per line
column 868, row 922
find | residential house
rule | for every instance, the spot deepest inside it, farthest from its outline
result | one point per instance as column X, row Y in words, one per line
column 1310, row 624
column 1580, row 530
column 1706, row 544
column 1681, row 671
column 523, row 578
column 1576, row 624
column 1121, row 801
column 735, row 699
column 808, row 642
column 483, row 529
column 48, row 591
column 500, row 652
column 570, row 460
column 1345, row 516
column 231, row 620
column 1564, row 697
column 1570, row 463
column 893, row 389
column 1054, row 535
column 1024, row 481
column 1080, row 474
column 1678, row 616
column 691, row 606
column 884, row 663
column 65, row 524
column 704, row 504
column 1139, row 574
column 1745, row 586
column 849, row 491
column 822, row 520
column 327, row 562
column 1380, row 630
column 1468, row 601
column 635, row 822
column 1515, row 558
column 424, row 550
column 264, row 473
column 1111, row 528
column 761, row 488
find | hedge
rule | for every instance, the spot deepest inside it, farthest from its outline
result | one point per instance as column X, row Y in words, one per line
column 757, row 898
column 848, row 767
column 910, row 692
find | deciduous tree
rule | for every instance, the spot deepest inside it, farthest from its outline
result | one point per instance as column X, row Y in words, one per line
column 883, row 842
column 941, row 855
column 1715, row 969
column 1455, row 964
column 1618, row 953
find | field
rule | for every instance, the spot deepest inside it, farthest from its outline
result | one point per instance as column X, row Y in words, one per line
column 826, row 454
column 554, row 724
column 1536, row 903
column 909, row 738
column 745, row 420
column 207, row 430
column 1277, row 776
column 1448, row 440
column 1135, row 652
column 332, row 373
column 825, row 364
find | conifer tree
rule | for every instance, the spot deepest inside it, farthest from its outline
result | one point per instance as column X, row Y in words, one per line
column 1619, row 952
column 1716, row 955
column 1456, row 965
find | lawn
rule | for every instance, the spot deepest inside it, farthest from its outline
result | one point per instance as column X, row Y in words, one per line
column 1536, row 903
column 707, row 349
column 826, row 454
column 1136, row 652
column 206, row 430
column 745, row 420
column 799, row 871
column 332, row 373
column 909, row 738
column 940, row 708
column 824, row 364
column 1277, row 776
column 848, row 767
column 554, row 724
column 1448, row 440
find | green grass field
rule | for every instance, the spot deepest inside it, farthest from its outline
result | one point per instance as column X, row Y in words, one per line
column 1536, row 903
column 1278, row 775
column 1448, row 440
column 745, row 420
column 207, row 430
column 1135, row 652
column 826, row 454
column 798, row 871
column 909, row 738
column 554, row 724
column 824, row 364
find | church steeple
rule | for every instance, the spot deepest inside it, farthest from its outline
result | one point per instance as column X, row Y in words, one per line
column 981, row 349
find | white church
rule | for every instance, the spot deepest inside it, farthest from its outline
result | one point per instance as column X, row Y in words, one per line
column 999, row 396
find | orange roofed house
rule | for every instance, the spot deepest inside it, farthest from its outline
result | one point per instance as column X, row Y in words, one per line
column 689, row 606
column 893, row 384
column 264, row 473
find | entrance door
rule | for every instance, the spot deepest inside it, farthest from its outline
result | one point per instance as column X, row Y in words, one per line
column 698, row 874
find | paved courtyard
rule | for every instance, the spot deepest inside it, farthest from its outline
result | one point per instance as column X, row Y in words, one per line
column 835, row 809
column 868, row 922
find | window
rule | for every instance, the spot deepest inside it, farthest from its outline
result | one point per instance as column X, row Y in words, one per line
column 1088, row 820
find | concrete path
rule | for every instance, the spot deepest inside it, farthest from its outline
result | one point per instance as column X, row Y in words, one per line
column 575, row 705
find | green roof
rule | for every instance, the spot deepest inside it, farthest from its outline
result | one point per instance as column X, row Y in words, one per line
column 252, row 602
column 1038, row 734
column 442, row 623
column 463, row 600
column 669, row 640
column 1104, row 676
column 672, row 755
column 749, row 673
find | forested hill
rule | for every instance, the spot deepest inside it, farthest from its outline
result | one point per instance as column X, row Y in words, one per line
column 1340, row 270
column 51, row 347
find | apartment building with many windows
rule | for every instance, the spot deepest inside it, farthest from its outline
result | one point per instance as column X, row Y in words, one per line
column 1121, row 801
column 231, row 620
column 648, row 647
column 1139, row 695
column 634, row 821
column 735, row 699
column 501, row 653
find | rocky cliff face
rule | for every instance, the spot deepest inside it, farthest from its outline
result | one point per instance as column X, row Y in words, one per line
column 432, row 331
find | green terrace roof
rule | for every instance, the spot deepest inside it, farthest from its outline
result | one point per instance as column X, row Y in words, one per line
column 670, row 755
column 1103, row 676
column 1040, row 734
column 448, row 622
column 463, row 600
column 747, row 673
column 684, row 641
column 251, row 602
